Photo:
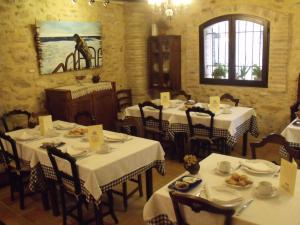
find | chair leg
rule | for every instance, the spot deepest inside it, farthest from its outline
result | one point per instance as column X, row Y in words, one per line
column 63, row 205
column 12, row 184
column 79, row 212
column 21, row 192
column 98, row 214
column 111, row 206
column 125, row 197
column 45, row 200
column 140, row 183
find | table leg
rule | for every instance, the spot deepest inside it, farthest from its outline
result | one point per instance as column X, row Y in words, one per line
column 149, row 183
column 245, row 143
column 179, row 145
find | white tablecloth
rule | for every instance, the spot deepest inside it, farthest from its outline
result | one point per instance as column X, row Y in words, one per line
column 280, row 210
column 228, row 122
column 96, row 170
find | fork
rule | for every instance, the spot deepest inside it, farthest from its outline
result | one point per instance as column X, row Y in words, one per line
column 243, row 207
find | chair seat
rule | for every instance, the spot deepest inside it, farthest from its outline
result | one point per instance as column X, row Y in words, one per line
column 204, row 138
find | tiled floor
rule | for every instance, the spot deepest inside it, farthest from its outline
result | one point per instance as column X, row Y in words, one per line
column 35, row 215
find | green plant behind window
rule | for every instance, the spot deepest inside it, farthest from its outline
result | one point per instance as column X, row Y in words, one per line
column 256, row 72
column 219, row 72
column 243, row 72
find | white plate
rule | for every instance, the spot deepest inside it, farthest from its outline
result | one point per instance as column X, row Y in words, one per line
column 273, row 194
column 117, row 138
column 217, row 171
column 29, row 138
column 73, row 135
column 190, row 180
column 239, row 186
column 273, row 167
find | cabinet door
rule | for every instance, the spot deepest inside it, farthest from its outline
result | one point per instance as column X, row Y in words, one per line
column 105, row 108
column 81, row 104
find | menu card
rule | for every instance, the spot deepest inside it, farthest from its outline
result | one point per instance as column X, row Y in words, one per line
column 95, row 137
column 288, row 172
column 214, row 104
column 45, row 123
column 165, row 99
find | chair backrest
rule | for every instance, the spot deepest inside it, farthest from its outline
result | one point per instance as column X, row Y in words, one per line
column 133, row 124
column 198, row 204
column 278, row 140
column 9, row 150
column 150, row 119
column 10, row 119
column 193, row 126
column 294, row 109
column 84, row 118
column 62, row 177
column 176, row 94
column 227, row 96
column 124, row 99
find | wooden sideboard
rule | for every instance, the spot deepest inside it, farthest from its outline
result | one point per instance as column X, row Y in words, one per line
column 100, row 104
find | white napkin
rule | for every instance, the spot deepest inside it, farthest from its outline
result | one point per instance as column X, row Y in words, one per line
column 256, row 166
column 24, row 136
column 64, row 125
column 222, row 195
column 75, row 151
column 115, row 136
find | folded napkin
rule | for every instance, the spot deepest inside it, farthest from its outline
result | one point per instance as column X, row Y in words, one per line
column 115, row 136
column 64, row 125
column 256, row 166
column 75, row 151
column 222, row 195
column 24, row 136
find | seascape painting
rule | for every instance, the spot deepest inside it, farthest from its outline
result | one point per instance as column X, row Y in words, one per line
column 67, row 46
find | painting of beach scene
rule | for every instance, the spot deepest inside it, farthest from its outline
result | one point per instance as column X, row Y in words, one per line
column 67, row 46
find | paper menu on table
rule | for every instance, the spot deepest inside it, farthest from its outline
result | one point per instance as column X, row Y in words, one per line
column 95, row 137
column 214, row 104
column 165, row 99
column 288, row 173
column 45, row 123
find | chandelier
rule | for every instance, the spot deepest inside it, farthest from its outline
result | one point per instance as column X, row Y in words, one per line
column 169, row 7
column 91, row 2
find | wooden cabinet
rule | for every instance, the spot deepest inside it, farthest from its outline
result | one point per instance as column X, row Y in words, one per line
column 164, row 62
column 100, row 104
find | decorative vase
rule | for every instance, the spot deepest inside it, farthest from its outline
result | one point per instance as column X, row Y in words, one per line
column 193, row 169
column 96, row 79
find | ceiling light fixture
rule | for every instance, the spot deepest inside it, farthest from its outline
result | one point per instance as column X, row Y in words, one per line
column 169, row 7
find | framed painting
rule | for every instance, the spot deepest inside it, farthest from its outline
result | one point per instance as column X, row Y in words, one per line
column 67, row 46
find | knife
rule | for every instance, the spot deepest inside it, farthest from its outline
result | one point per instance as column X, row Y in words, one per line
column 244, row 207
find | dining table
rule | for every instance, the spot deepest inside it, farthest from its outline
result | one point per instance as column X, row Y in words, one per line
column 277, row 209
column 234, row 123
column 292, row 134
column 98, row 172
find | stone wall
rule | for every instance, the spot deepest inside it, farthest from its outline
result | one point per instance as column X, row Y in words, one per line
column 272, row 103
column 21, row 84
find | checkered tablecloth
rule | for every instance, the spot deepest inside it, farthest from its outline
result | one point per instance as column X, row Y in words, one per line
column 291, row 134
column 161, row 220
column 40, row 172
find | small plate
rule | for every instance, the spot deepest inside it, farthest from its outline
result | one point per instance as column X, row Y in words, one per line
column 58, row 127
column 273, row 194
column 119, row 138
column 190, row 179
column 217, row 171
column 74, row 135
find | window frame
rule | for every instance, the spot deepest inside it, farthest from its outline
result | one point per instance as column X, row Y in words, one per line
column 232, row 50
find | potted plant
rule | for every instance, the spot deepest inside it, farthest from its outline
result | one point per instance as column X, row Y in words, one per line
column 243, row 72
column 191, row 164
column 256, row 72
column 219, row 72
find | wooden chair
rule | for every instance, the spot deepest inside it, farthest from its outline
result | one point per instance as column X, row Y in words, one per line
column 229, row 97
column 207, row 139
column 124, row 99
column 180, row 94
column 70, row 184
column 135, row 129
column 152, row 126
column 84, row 118
column 197, row 205
column 265, row 153
column 17, row 172
column 294, row 108
column 11, row 122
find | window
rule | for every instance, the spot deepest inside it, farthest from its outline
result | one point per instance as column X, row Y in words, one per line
column 234, row 51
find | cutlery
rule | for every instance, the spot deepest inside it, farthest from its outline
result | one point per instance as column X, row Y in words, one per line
column 244, row 207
